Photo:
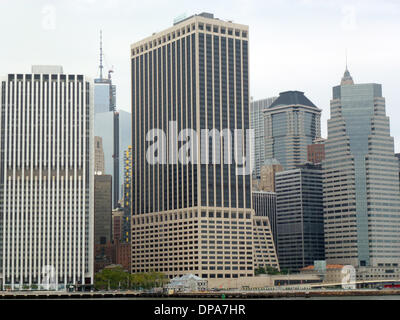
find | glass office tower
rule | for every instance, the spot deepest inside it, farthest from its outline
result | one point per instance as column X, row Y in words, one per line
column 361, row 181
column 300, row 216
column 257, row 124
column 292, row 122
column 114, row 128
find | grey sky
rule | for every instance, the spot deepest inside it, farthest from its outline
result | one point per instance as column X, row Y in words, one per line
column 294, row 44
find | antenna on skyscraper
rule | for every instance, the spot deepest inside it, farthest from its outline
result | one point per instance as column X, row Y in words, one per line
column 109, row 72
column 101, row 55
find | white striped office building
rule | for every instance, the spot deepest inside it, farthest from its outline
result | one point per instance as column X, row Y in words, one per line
column 46, row 180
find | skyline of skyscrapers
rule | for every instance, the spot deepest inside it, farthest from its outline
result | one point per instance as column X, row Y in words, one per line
column 311, row 199
column 113, row 126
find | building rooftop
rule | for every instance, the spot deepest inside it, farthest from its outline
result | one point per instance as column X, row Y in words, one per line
column 328, row 266
column 203, row 14
column 187, row 277
column 47, row 69
column 346, row 79
column 289, row 98
column 271, row 161
column 182, row 25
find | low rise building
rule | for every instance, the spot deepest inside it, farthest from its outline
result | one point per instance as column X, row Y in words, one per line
column 264, row 205
column 264, row 281
column 188, row 283
column 332, row 273
column 264, row 246
column 378, row 273
column 123, row 254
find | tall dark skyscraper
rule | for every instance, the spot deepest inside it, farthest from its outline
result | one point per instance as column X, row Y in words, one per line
column 300, row 216
column 196, row 74
column 361, row 179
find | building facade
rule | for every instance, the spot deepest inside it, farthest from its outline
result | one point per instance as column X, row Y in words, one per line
column 195, row 217
column 398, row 158
column 99, row 167
column 46, row 180
column 264, row 245
column 300, row 217
column 257, row 124
column 117, row 225
column 127, row 205
column 316, row 151
column 292, row 122
column 264, row 204
column 267, row 175
column 361, row 184
column 114, row 128
column 102, row 209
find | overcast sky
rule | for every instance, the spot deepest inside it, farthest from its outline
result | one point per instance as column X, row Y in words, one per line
column 294, row 44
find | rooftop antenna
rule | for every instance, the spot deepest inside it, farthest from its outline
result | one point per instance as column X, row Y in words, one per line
column 101, row 55
column 109, row 72
column 346, row 59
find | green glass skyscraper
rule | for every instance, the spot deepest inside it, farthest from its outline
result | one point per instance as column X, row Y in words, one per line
column 361, row 181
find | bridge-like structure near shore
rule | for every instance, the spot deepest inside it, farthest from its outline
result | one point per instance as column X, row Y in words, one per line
column 265, row 294
column 337, row 284
column 294, row 290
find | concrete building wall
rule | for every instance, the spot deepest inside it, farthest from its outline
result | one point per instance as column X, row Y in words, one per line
column 102, row 209
column 263, row 281
column 264, row 204
column 267, row 175
column 99, row 166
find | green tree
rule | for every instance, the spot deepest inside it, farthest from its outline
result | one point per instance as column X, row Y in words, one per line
column 259, row 270
column 148, row 280
column 111, row 278
column 269, row 270
column 116, row 278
